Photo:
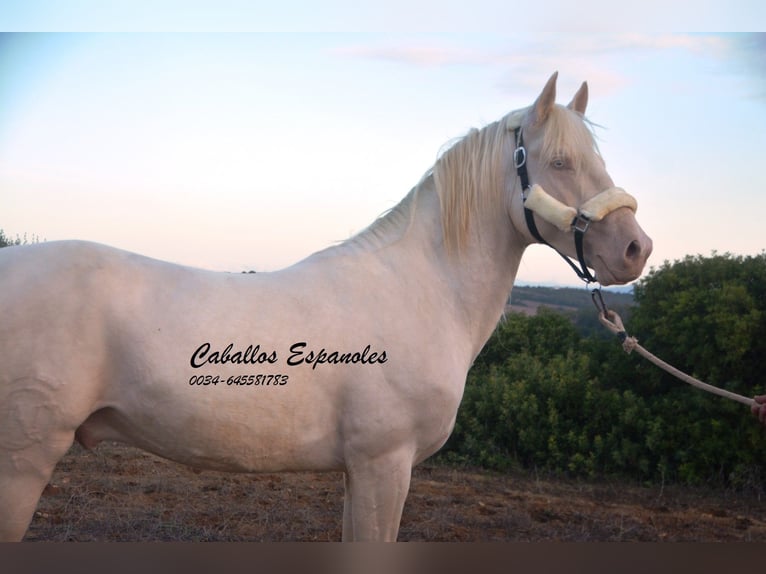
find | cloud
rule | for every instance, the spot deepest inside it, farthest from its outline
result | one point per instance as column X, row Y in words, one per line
column 524, row 63
column 454, row 52
column 609, row 43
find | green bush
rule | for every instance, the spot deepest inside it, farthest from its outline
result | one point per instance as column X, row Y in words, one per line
column 541, row 395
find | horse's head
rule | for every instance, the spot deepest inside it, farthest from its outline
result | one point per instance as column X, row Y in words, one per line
column 569, row 197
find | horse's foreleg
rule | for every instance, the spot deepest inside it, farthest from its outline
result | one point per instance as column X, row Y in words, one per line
column 375, row 494
column 348, row 522
column 24, row 473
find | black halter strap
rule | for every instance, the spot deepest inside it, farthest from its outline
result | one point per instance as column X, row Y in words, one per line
column 580, row 223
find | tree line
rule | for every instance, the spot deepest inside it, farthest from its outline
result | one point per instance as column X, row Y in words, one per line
column 545, row 395
column 6, row 241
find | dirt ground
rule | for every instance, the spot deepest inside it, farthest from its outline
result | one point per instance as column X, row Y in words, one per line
column 117, row 493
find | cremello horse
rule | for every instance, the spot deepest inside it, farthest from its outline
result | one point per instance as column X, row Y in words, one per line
column 351, row 360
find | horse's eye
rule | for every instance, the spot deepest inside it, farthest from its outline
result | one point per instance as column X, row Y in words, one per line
column 559, row 163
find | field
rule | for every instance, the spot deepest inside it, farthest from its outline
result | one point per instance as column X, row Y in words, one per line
column 117, row 493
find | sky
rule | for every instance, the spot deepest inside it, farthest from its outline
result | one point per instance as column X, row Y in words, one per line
column 251, row 150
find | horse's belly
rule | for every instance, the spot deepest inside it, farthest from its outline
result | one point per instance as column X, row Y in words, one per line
column 230, row 433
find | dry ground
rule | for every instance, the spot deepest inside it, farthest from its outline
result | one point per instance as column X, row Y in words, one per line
column 117, row 493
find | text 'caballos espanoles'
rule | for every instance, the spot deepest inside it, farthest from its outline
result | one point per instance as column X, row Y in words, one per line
column 297, row 355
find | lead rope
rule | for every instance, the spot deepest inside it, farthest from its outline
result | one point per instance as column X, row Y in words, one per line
column 612, row 321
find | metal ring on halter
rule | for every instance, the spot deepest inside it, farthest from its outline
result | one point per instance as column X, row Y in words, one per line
column 519, row 157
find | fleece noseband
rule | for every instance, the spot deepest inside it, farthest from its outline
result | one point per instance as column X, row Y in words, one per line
column 564, row 217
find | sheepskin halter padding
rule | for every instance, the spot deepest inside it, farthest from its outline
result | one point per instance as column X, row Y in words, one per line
column 598, row 207
column 563, row 216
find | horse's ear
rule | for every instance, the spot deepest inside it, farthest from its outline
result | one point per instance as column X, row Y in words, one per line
column 545, row 101
column 580, row 100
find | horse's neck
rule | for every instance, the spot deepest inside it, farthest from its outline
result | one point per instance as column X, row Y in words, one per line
column 474, row 283
column 483, row 272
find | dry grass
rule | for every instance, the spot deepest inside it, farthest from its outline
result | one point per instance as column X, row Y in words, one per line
column 117, row 493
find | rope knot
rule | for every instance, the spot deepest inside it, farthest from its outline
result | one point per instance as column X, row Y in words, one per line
column 629, row 343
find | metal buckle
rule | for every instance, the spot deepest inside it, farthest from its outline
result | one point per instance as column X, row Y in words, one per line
column 519, row 157
column 580, row 223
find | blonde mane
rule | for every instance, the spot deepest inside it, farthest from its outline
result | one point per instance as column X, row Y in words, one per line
column 469, row 179
column 389, row 226
column 472, row 174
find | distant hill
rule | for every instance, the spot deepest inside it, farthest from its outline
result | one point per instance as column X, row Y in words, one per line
column 573, row 302
column 528, row 300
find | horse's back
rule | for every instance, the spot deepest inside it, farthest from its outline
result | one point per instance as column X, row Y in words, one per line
column 53, row 295
column 33, row 276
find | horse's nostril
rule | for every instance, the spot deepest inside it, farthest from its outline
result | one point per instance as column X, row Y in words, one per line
column 633, row 251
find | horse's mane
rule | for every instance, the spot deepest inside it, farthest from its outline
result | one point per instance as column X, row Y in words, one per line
column 471, row 175
column 394, row 220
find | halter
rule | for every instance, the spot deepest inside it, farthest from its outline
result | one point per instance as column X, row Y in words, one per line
column 566, row 218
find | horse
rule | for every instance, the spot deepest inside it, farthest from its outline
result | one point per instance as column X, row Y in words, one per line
column 354, row 359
